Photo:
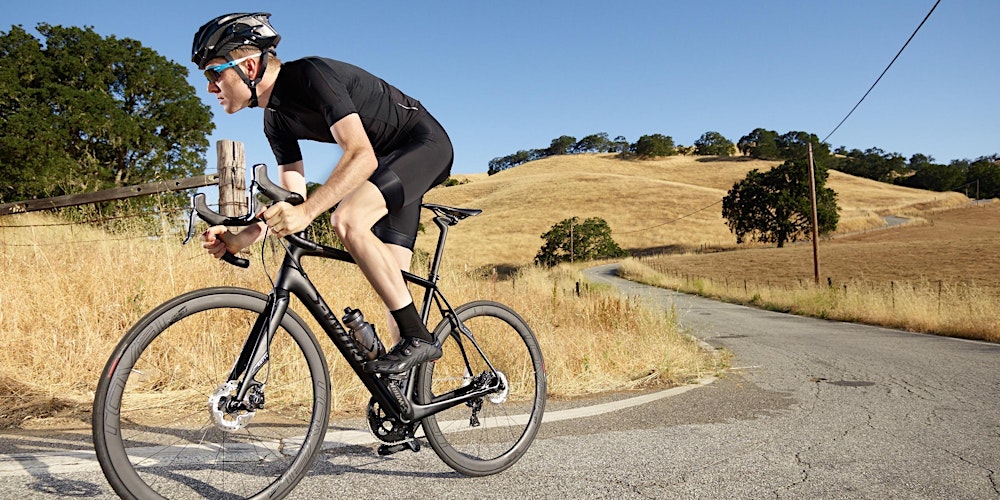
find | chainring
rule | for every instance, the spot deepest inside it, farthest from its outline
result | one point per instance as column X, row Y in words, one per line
column 385, row 428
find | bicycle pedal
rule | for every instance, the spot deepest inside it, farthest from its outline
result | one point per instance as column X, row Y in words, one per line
column 390, row 449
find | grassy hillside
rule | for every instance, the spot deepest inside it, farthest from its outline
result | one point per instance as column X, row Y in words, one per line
column 671, row 204
column 937, row 276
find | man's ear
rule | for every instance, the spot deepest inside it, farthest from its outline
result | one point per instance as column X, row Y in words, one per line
column 253, row 67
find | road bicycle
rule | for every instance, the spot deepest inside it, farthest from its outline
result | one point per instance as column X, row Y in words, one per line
column 225, row 392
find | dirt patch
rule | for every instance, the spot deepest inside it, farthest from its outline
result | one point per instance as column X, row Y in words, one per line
column 954, row 247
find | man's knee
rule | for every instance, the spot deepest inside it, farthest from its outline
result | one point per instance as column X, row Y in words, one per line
column 358, row 212
column 344, row 225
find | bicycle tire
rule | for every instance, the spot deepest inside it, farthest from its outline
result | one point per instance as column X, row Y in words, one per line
column 154, row 433
column 507, row 422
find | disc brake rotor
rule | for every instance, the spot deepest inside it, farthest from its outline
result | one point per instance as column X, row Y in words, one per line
column 222, row 416
column 501, row 395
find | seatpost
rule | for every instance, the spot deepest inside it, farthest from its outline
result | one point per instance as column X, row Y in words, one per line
column 442, row 223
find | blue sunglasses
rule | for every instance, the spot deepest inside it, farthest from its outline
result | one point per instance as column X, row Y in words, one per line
column 213, row 73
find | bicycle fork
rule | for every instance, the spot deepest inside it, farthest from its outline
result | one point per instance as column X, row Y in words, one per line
column 236, row 401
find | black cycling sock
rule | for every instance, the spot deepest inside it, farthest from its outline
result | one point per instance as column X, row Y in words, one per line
column 410, row 325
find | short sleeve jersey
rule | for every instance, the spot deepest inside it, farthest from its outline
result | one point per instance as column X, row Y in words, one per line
column 312, row 94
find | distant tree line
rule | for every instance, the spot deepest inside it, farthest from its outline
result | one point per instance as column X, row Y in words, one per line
column 564, row 145
column 647, row 146
column 920, row 171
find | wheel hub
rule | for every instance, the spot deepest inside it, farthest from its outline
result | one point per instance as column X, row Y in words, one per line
column 501, row 395
column 227, row 414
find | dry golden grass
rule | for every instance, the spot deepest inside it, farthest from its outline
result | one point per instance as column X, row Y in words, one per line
column 69, row 293
column 936, row 276
column 670, row 204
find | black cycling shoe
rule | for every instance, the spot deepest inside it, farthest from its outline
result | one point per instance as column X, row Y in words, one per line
column 408, row 353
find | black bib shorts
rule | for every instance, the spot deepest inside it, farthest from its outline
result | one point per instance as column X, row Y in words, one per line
column 404, row 175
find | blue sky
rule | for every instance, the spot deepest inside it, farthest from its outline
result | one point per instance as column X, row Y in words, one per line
column 504, row 76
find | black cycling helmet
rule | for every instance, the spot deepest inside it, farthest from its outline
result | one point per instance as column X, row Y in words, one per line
column 218, row 37
column 227, row 32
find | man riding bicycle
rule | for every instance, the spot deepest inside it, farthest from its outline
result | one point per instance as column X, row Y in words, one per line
column 394, row 151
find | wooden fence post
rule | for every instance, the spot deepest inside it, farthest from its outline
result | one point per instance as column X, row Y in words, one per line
column 232, row 177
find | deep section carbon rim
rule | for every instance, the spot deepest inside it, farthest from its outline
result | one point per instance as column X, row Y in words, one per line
column 163, row 425
column 488, row 434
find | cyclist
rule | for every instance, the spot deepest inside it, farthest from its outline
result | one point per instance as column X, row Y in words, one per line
column 394, row 151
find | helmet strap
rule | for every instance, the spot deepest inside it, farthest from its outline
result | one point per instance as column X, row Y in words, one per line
column 252, row 84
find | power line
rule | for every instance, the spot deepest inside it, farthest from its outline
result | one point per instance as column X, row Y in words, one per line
column 674, row 220
column 883, row 72
column 834, row 129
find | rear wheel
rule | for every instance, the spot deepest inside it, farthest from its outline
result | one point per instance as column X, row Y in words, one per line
column 488, row 434
column 166, row 424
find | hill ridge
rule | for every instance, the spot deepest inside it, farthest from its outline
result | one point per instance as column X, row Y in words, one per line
column 634, row 196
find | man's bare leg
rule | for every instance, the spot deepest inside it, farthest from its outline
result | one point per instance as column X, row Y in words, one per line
column 353, row 221
column 404, row 256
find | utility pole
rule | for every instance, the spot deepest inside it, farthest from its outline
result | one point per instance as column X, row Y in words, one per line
column 815, row 216
column 571, row 254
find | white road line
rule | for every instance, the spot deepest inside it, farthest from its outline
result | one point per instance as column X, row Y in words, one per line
column 66, row 462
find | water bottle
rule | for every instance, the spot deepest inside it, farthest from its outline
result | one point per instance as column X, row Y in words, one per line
column 363, row 334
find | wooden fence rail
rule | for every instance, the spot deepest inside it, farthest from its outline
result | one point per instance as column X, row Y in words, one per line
column 231, row 186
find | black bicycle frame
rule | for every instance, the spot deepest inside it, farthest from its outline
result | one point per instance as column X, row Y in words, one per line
column 292, row 280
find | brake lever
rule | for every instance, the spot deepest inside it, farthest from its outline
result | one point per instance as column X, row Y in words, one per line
column 190, row 230
column 227, row 257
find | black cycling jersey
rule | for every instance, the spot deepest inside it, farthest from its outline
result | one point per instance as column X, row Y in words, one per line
column 414, row 152
column 313, row 93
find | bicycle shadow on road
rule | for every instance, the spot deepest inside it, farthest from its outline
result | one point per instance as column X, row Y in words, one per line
column 23, row 452
column 364, row 460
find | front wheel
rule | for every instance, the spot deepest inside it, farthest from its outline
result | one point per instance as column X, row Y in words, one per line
column 488, row 434
column 165, row 424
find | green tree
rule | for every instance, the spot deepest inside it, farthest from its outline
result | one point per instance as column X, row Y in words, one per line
column 919, row 161
column 713, row 144
column 651, row 146
column 594, row 143
column 935, row 177
column 502, row 163
column 619, row 145
column 794, row 145
column 768, row 145
column 760, row 143
column 80, row 112
column 873, row 163
column 774, row 206
column 570, row 240
column 983, row 175
column 561, row 145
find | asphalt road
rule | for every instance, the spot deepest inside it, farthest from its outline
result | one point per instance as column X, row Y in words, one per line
column 811, row 409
